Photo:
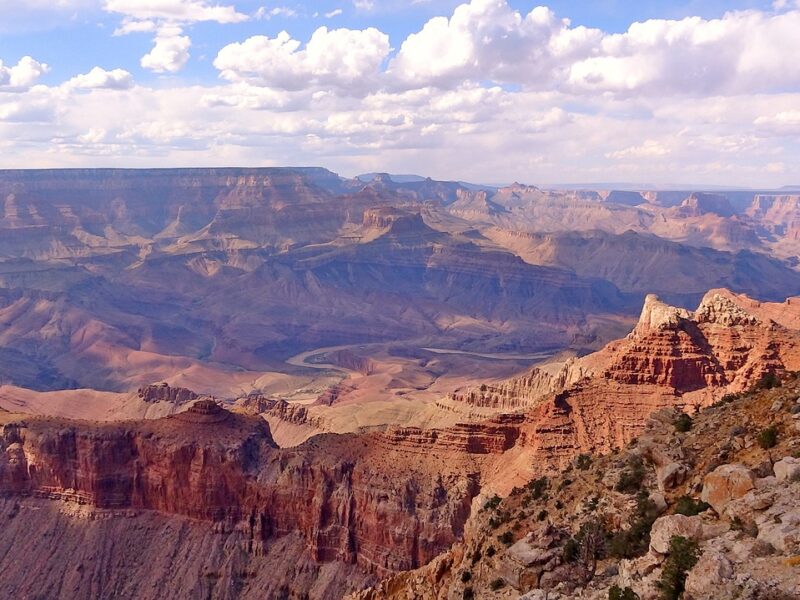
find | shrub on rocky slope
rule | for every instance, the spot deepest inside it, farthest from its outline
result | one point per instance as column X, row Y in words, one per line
column 711, row 513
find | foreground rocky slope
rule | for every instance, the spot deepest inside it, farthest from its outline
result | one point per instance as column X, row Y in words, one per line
column 703, row 508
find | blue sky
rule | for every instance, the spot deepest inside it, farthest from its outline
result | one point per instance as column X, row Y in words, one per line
column 75, row 39
column 501, row 90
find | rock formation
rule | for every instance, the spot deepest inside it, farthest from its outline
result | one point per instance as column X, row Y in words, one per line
column 603, row 526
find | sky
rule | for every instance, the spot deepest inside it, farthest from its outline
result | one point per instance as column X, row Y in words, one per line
column 492, row 91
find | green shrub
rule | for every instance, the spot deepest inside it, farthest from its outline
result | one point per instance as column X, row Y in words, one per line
column 683, row 423
column 497, row 584
column 466, row 576
column 768, row 438
column 768, row 382
column 468, row 594
column 492, row 503
column 617, row 593
column 583, row 462
column 571, row 550
column 690, row 507
column 683, row 555
column 490, row 551
column 538, row 487
column 506, row 538
column 635, row 540
column 542, row 515
column 632, row 477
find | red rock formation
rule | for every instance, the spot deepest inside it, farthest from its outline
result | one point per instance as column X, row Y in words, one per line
column 162, row 392
column 354, row 500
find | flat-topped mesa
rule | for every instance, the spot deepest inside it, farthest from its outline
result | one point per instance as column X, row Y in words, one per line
column 204, row 411
column 163, row 392
column 394, row 219
column 495, row 436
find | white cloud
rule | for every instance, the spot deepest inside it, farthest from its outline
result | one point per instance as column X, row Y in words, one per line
column 488, row 40
column 170, row 52
column 484, row 40
column 649, row 149
column 741, row 52
column 339, row 58
column 133, row 26
column 180, row 11
column 277, row 11
column 334, row 13
column 22, row 75
column 99, row 78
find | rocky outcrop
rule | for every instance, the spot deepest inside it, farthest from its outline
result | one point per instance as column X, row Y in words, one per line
column 725, row 484
column 162, row 392
column 579, row 534
column 351, row 500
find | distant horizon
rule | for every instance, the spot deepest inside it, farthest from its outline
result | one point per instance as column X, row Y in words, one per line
column 590, row 186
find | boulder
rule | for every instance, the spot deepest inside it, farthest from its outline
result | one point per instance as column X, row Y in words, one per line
column 712, row 570
column 725, row 484
column 671, row 475
column 666, row 527
column 787, row 469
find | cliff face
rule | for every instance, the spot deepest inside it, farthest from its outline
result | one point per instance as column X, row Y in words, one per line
column 672, row 358
column 353, row 501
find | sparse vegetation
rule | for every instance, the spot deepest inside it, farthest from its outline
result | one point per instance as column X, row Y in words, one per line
column 468, row 594
column 683, row 423
column 466, row 576
column 768, row 438
column 690, row 507
column 583, row 462
column 492, row 503
column 497, row 584
column 635, row 540
column 571, row 551
column 507, row 538
column 683, row 555
column 538, row 487
column 618, row 593
column 632, row 477
column 767, row 382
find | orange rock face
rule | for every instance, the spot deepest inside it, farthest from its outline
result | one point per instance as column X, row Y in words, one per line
column 358, row 501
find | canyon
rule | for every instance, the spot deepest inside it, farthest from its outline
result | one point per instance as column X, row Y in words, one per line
column 278, row 382
column 355, row 508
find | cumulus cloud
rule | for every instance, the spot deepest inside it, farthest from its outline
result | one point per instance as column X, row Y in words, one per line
column 22, row 75
column 338, row 58
column 167, row 17
column 99, row 78
column 181, row 11
column 741, row 52
column 170, row 52
column 488, row 40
